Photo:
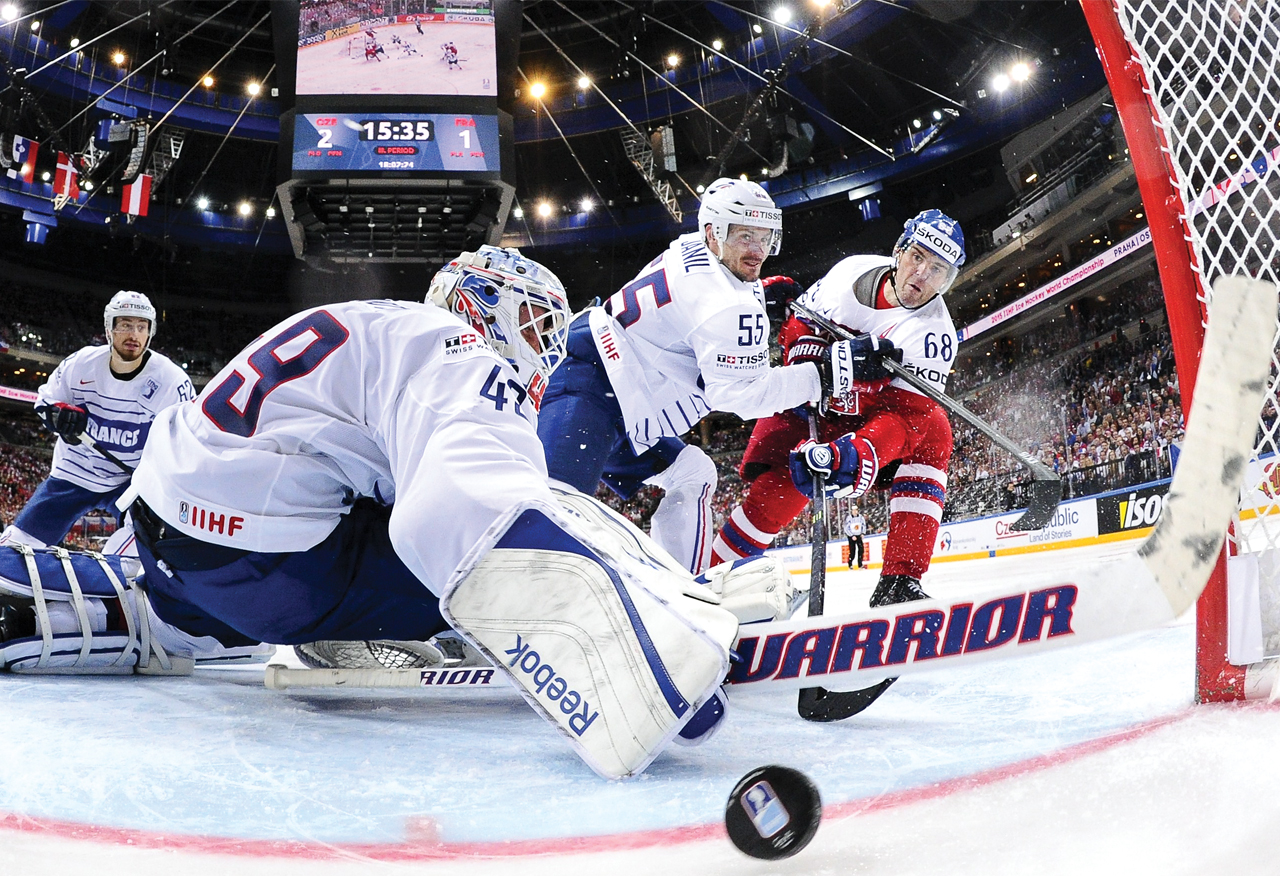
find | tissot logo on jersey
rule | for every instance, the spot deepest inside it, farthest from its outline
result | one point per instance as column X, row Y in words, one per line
column 748, row 361
column 210, row 521
column 461, row 345
column 909, row 638
column 762, row 213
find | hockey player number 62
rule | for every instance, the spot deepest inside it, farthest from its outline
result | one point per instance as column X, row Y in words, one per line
column 294, row 353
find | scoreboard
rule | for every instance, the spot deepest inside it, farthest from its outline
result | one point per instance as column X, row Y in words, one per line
column 372, row 142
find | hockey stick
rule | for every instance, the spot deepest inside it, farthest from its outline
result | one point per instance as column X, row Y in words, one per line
column 104, row 453
column 1141, row 589
column 280, row 677
column 817, row 703
column 1046, row 487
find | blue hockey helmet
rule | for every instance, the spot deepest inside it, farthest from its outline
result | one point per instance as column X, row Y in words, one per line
column 938, row 233
column 519, row 306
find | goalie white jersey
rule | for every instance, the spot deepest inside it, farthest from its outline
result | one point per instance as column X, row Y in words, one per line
column 926, row 335
column 387, row 400
column 120, row 411
column 685, row 338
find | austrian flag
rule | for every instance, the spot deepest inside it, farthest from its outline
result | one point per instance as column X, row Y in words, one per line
column 64, row 181
column 137, row 196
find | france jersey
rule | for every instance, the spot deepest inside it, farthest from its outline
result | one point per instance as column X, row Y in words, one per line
column 926, row 335
column 685, row 338
column 393, row 401
column 120, row 411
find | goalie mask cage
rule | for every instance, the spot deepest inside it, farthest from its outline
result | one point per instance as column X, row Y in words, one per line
column 1196, row 84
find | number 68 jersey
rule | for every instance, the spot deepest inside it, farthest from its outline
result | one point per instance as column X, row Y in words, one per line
column 395, row 401
column 927, row 337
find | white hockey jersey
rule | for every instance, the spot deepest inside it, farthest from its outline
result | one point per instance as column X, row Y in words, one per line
column 395, row 401
column 120, row 411
column 685, row 338
column 926, row 335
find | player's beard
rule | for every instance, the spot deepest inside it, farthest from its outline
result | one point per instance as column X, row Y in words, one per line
column 129, row 355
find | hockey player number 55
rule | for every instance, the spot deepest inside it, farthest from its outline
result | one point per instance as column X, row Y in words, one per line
column 625, row 303
column 294, row 353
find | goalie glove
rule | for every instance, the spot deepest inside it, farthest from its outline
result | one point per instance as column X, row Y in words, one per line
column 849, row 465
column 68, row 421
column 754, row 588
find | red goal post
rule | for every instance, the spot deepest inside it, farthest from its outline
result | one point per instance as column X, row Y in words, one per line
column 1196, row 85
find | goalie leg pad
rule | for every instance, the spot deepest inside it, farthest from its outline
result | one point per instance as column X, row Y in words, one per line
column 607, row 646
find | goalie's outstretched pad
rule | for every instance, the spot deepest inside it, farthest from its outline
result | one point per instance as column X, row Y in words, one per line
column 598, row 635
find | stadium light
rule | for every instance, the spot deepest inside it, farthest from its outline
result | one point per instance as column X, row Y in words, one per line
column 118, row 58
column 44, row 176
column 701, row 188
column 75, row 41
column 8, row 12
column 202, row 203
column 35, row 25
column 586, row 204
column 253, row 88
column 782, row 14
column 673, row 60
column 518, row 213
column 207, row 81
column 757, row 28
column 271, row 212
column 1000, row 83
column 537, row 89
column 544, row 209
column 245, row 208
column 584, row 82
column 1020, row 71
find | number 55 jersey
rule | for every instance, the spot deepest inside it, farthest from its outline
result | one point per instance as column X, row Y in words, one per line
column 393, row 401
column 685, row 338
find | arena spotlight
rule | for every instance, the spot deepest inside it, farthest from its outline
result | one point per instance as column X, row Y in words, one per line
column 586, row 205
column 245, row 208
column 75, row 41
column 518, row 213
column 673, row 60
column 537, row 90
column 271, row 212
column 782, row 14
column 757, row 28
column 1000, row 83
column 253, row 88
column 1020, row 71
column 544, row 209
column 118, row 58
column 207, row 81
column 717, row 44
column 8, row 12
column 46, row 176
column 202, row 203
column 35, row 25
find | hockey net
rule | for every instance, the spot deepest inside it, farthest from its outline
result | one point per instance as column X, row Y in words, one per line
column 1196, row 83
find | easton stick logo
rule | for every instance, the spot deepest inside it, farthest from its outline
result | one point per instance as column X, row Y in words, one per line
column 909, row 638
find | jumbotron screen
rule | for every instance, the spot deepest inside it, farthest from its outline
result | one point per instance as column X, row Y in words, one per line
column 371, row 141
column 377, row 47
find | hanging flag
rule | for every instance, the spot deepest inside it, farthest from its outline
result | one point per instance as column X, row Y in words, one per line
column 64, row 181
column 137, row 196
column 24, row 159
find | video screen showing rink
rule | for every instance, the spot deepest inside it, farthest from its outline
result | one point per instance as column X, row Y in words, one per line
column 449, row 53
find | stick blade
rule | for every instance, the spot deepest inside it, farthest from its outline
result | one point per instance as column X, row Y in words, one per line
column 1045, row 495
column 824, row 706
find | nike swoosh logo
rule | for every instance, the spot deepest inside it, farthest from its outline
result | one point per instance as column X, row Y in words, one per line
column 83, row 382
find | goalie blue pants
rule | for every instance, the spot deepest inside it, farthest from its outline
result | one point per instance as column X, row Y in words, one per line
column 56, row 505
column 351, row 586
column 581, row 428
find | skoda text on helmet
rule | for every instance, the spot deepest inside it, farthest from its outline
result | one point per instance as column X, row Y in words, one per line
column 739, row 202
column 133, row 304
column 516, row 303
column 938, row 233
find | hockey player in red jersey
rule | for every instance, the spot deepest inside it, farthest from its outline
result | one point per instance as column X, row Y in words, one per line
column 886, row 434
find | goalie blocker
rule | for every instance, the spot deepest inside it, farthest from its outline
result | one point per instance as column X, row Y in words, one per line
column 604, row 636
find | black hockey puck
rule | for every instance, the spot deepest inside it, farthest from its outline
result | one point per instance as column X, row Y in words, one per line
column 773, row 812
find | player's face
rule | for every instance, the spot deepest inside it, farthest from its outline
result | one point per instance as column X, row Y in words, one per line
column 745, row 249
column 129, row 337
column 921, row 276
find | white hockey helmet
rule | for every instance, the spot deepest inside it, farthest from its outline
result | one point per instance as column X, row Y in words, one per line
column 126, row 303
column 519, row 306
column 739, row 202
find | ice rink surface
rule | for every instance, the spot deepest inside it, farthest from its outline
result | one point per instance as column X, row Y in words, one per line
column 1085, row 760
column 332, row 68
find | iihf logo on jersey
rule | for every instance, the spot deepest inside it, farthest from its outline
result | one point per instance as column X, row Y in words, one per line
column 151, row 388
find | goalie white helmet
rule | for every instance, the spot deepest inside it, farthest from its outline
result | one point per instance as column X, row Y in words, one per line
column 132, row 304
column 516, row 303
column 739, row 202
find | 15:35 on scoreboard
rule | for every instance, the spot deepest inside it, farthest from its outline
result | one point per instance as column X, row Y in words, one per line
column 395, row 142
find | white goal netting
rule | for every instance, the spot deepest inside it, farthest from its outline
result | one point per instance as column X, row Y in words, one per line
column 1211, row 73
